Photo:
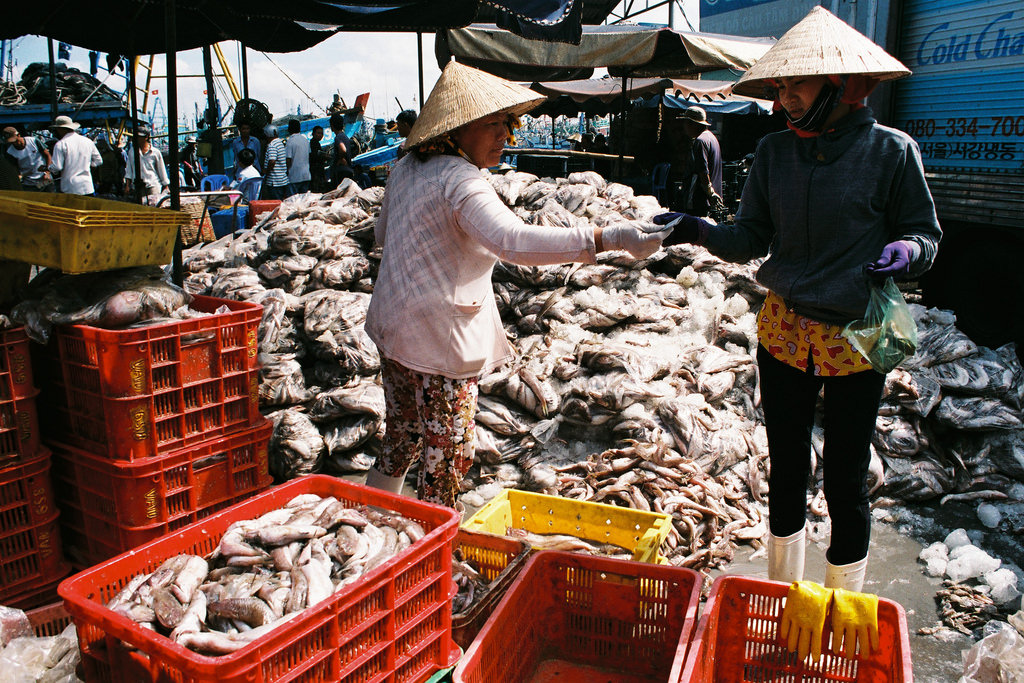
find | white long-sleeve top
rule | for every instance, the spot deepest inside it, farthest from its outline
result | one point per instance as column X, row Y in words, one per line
column 443, row 228
column 73, row 157
column 154, row 171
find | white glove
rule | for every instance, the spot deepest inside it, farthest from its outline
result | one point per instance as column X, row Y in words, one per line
column 635, row 238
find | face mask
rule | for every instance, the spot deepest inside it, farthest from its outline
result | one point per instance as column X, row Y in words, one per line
column 822, row 106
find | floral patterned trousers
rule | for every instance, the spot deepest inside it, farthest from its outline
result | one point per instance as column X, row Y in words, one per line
column 429, row 418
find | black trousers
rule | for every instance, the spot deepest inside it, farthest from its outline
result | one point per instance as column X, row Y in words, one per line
column 789, row 397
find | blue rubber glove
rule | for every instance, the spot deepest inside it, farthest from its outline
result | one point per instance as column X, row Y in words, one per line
column 685, row 228
column 894, row 262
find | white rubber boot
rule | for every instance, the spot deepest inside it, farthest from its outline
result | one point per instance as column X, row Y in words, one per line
column 847, row 576
column 786, row 557
column 378, row 480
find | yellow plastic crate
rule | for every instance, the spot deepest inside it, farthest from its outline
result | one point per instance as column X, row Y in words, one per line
column 83, row 234
column 643, row 532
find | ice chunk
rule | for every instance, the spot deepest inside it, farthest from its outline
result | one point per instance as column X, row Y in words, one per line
column 989, row 515
column 968, row 562
column 956, row 538
column 936, row 557
column 1003, row 583
column 936, row 566
column 1016, row 492
column 934, row 550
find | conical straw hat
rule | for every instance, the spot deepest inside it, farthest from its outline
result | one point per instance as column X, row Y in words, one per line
column 463, row 94
column 820, row 44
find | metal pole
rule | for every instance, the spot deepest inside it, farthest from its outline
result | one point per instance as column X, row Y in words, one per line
column 622, row 129
column 217, row 149
column 419, row 61
column 245, row 74
column 53, row 82
column 171, row 57
column 134, row 102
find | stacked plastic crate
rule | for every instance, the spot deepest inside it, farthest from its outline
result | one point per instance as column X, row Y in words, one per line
column 31, row 563
column 154, row 427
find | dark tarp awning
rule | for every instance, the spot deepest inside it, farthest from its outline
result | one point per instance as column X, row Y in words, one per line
column 136, row 27
column 601, row 96
column 610, row 89
column 636, row 51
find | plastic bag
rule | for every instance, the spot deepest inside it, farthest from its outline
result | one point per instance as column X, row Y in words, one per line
column 997, row 658
column 887, row 334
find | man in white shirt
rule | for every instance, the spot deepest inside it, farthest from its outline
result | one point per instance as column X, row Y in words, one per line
column 154, row 172
column 33, row 159
column 297, row 154
column 74, row 156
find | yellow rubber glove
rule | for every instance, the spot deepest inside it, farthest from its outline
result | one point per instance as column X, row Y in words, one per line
column 854, row 619
column 803, row 618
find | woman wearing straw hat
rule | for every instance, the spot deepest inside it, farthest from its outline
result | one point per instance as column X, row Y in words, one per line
column 433, row 314
column 834, row 201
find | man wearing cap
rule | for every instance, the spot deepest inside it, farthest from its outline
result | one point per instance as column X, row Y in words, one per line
column 33, row 159
column 74, row 157
column 191, row 163
column 837, row 203
column 154, row 172
column 707, row 163
column 275, row 182
column 433, row 314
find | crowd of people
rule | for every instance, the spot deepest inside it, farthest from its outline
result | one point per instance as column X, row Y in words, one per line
column 68, row 161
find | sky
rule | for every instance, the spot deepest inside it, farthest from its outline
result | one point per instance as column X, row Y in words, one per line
column 347, row 63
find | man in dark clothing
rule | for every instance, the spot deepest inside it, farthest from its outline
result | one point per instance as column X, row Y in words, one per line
column 706, row 186
column 341, row 148
column 190, row 162
column 317, row 162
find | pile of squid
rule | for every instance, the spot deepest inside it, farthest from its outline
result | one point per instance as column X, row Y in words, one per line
column 634, row 382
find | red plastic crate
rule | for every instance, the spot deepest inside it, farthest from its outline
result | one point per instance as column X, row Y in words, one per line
column 41, row 592
column 28, row 556
column 737, row 639
column 392, row 624
column 49, row 620
column 144, row 392
column 19, row 429
column 89, row 540
column 26, row 496
column 154, row 358
column 574, row 617
column 15, row 365
column 166, row 487
column 499, row 560
column 259, row 207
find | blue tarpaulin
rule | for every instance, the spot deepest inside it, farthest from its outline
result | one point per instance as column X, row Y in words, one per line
column 735, row 104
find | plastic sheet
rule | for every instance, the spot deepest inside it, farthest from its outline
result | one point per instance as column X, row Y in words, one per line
column 998, row 658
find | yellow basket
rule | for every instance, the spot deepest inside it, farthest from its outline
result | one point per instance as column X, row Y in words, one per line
column 83, row 234
column 643, row 532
